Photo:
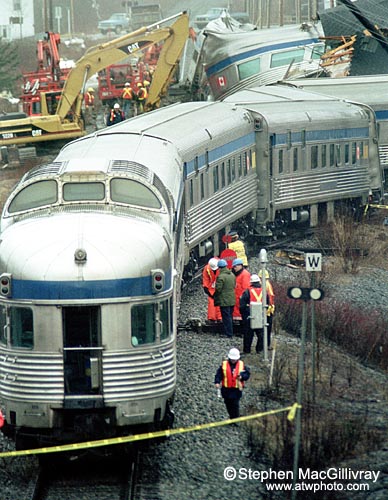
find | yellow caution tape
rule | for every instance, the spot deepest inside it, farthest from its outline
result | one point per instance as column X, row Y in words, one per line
column 148, row 435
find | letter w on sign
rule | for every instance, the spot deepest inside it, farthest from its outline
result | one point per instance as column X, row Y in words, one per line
column 313, row 262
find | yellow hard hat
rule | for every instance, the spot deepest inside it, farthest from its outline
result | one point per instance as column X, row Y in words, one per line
column 146, row 83
column 139, row 84
column 90, row 89
column 266, row 274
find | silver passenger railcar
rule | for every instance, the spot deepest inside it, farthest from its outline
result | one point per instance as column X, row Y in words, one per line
column 368, row 89
column 94, row 246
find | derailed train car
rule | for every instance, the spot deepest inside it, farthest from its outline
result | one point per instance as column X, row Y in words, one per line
column 95, row 246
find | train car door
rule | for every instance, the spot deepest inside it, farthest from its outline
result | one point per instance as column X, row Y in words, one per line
column 82, row 350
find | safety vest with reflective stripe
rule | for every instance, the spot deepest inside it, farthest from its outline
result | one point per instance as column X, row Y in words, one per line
column 230, row 379
column 127, row 93
column 258, row 297
column 254, row 296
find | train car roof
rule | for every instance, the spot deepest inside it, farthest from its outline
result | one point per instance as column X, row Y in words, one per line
column 159, row 139
column 281, row 105
column 187, row 126
column 219, row 46
column 369, row 89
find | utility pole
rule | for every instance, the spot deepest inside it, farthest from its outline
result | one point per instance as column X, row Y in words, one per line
column 281, row 12
column 72, row 16
column 48, row 15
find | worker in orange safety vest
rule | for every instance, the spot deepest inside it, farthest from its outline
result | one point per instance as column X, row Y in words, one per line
column 230, row 378
column 209, row 276
column 127, row 97
column 141, row 96
column 252, row 294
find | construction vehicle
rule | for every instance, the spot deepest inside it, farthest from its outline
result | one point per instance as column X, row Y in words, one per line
column 150, row 13
column 66, row 121
column 49, row 77
column 111, row 80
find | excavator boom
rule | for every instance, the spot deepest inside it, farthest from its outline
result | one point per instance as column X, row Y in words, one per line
column 67, row 122
column 101, row 56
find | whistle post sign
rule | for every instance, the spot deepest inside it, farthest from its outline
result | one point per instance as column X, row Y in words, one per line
column 313, row 262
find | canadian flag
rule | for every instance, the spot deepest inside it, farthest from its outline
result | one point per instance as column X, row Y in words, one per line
column 1, row 419
column 221, row 81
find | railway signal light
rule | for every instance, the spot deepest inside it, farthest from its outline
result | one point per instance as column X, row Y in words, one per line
column 157, row 280
column 6, row 284
column 297, row 292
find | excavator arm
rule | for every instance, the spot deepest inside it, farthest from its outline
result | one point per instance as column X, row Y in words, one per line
column 166, row 65
column 99, row 57
column 67, row 122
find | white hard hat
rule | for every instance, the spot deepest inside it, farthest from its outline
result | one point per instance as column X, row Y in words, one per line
column 127, row 84
column 255, row 278
column 116, row 106
column 213, row 263
column 234, row 354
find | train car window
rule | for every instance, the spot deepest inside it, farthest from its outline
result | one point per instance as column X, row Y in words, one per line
column 354, row 153
column 245, row 163
column 314, row 157
column 303, row 138
column 132, row 192
column 196, row 165
column 229, row 172
column 239, row 166
column 215, row 179
column 332, row 155
column 84, row 191
column 143, row 324
column 289, row 141
column 361, row 146
column 191, row 193
column 202, row 186
column 347, row 154
column 317, row 52
column 249, row 68
column 3, row 325
column 280, row 160
column 21, row 326
column 338, row 159
column 287, row 57
column 233, row 169
column 164, row 319
column 323, row 155
column 295, row 160
column 34, row 195
column 222, row 174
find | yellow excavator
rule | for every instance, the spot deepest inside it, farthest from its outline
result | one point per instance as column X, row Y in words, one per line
column 67, row 122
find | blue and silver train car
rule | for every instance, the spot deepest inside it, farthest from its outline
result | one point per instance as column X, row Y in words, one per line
column 368, row 89
column 95, row 246
column 229, row 60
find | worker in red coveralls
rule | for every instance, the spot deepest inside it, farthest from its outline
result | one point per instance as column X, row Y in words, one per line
column 209, row 276
column 243, row 281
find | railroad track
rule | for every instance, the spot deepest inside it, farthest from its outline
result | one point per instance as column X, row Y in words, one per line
column 132, row 475
column 102, row 478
